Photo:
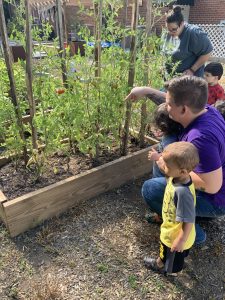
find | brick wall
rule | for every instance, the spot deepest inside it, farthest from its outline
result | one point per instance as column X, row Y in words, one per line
column 207, row 12
column 203, row 12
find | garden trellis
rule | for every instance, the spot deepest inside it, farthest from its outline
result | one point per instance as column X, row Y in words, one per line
column 84, row 107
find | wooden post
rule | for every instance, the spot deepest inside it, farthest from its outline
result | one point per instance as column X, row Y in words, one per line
column 62, row 50
column 65, row 21
column 146, row 59
column 131, row 75
column 98, row 26
column 97, row 52
column 29, row 76
column 9, row 65
column 124, row 23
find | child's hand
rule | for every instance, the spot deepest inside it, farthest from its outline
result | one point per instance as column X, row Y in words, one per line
column 178, row 245
column 157, row 133
column 153, row 155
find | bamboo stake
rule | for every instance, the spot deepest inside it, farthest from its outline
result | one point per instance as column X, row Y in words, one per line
column 124, row 23
column 9, row 65
column 131, row 76
column 98, row 27
column 62, row 50
column 146, row 59
column 29, row 76
column 65, row 21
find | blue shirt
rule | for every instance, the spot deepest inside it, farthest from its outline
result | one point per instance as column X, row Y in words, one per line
column 193, row 42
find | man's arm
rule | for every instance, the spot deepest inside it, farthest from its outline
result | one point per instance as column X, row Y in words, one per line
column 156, row 96
column 210, row 182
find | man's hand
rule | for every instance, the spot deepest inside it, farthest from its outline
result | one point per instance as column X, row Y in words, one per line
column 153, row 155
column 136, row 93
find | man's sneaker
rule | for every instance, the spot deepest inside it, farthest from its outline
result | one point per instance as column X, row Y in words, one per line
column 200, row 235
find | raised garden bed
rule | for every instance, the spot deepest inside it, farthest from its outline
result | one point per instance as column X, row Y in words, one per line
column 29, row 210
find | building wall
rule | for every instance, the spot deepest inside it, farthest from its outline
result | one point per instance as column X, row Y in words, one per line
column 203, row 12
column 207, row 12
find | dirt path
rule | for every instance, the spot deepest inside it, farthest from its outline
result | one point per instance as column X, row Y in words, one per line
column 95, row 252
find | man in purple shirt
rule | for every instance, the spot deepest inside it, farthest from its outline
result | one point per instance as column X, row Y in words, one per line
column 186, row 100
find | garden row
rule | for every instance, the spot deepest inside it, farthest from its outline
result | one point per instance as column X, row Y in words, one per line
column 80, row 99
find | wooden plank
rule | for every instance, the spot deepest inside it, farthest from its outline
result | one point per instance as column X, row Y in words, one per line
column 6, row 159
column 31, row 209
column 3, row 199
column 148, row 139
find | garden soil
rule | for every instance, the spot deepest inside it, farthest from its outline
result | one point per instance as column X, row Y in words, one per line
column 96, row 251
column 17, row 180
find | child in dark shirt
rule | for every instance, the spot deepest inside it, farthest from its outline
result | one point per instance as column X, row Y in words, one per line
column 212, row 74
column 220, row 106
column 167, row 130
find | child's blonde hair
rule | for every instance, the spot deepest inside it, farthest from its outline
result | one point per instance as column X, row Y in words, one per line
column 184, row 155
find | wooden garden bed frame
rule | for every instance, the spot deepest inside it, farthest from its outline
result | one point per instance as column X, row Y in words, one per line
column 29, row 210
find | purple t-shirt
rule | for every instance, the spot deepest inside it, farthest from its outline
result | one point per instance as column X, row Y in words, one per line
column 207, row 133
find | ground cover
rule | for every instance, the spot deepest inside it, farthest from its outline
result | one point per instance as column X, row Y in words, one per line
column 95, row 251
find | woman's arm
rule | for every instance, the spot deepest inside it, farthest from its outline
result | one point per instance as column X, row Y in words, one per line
column 156, row 96
column 200, row 61
column 210, row 182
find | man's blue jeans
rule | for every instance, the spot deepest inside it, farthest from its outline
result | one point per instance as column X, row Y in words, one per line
column 153, row 192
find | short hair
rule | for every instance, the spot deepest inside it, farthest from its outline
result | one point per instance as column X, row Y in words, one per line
column 175, row 16
column 214, row 68
column 183, row 155
column 220, row 106
column 189, row 90
column 162, row 121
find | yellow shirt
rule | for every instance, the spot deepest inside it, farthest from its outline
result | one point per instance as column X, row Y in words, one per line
column 178, row 208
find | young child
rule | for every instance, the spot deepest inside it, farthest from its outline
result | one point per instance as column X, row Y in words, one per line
column 167, row 130
column 178, row 210
column 220, row 106
column 212, row 73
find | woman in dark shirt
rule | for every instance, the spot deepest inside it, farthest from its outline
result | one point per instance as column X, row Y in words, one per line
column 187, row 44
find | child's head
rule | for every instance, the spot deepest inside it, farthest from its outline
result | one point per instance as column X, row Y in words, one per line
column 213, row 72
column 220, row 106
column 179, row 159
column 162, row 121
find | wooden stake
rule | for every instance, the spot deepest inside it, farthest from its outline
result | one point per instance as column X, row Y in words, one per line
column 146, row 60
column 98, row 27
column 62, row 50
column 9, row 65
column 131, row 75
column 124, row 23
column 29, row 76
column 65, row 21
column 97, row 51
